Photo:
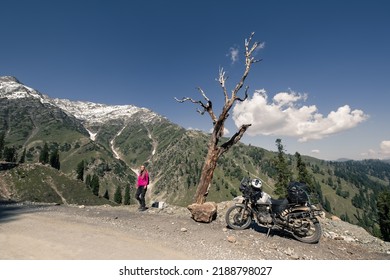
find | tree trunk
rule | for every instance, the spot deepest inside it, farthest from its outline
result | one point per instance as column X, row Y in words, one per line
column 212, row 157
column 207, row 173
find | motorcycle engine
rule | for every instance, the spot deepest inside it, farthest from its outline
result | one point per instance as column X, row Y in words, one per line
column 263, row 215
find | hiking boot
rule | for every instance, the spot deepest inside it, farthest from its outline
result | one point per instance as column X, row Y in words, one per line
column 143, row 209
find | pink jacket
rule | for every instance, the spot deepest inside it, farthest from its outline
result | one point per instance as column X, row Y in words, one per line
column 143, row 179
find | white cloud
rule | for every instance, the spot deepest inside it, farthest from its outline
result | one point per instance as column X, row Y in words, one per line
column 288, row 99
column 382, row 153
column 284, row 116
column 260, row 46
column 233, row 54
column 371, row 153
column 315, row 151
column 385, row 147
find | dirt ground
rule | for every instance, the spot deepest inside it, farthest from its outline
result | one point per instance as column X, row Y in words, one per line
column 44, row 234
column 58, row 232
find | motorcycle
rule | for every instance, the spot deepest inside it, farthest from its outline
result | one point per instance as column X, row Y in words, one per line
column 294, row 214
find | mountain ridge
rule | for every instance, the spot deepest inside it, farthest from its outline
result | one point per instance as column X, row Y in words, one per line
column 113, row 141
column 87, row 111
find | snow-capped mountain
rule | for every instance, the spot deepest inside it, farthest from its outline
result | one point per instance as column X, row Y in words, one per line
column 101, row 113
column 112, row 141
column 11, row 88
column 88, row 112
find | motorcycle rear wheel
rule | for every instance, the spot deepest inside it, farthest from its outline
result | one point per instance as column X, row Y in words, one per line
column 310, row 231
column 236, row 218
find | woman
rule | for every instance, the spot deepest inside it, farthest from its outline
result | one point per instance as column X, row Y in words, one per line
column 142, row 185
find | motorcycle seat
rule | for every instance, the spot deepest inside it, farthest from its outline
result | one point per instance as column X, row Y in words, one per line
column 278, row 205
column 278, row 202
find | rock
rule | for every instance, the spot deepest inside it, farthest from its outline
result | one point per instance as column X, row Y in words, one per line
column 335, row 218
column 204, row 213
column 183, row 229
column 349, row 239
column 231, row 239
column 332, row 234
column 289, row 251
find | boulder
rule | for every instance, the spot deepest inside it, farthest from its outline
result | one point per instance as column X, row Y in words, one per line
column 335, row 218
column 204, row 213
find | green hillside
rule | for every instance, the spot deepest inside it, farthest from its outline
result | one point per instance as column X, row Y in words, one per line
column 39, row 183
column 174, row 157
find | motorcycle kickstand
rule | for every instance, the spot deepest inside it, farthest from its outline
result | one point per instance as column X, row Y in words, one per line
column 269, row 230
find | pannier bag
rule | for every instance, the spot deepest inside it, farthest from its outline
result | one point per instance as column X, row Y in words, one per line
column 297, row 193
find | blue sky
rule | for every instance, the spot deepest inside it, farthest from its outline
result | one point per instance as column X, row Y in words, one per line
column 318, row 57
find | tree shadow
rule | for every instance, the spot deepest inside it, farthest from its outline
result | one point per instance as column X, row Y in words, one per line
column 271, row 232
column 10, row 210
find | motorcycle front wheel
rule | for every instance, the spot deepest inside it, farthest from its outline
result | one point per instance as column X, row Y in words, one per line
column 237, row 217
column 309, row 231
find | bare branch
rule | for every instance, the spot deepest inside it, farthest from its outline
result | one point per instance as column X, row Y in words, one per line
column 201, row 111
column 254, row 47
column 234, row 139
column 184, row 99
column 222, row 79
column 208, row 107
column 247, row 41
column 256, row 60
column 249, row 60
column 246, row 95
column 203, row 94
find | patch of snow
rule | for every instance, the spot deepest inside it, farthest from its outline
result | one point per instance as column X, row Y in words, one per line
column 154, row 145
column 92, row 135
column 116, row 154
column 12, row 89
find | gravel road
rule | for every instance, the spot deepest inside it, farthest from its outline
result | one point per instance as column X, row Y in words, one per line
column 60, row 232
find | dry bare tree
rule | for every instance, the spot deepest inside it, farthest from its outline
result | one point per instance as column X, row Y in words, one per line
column 215, row 150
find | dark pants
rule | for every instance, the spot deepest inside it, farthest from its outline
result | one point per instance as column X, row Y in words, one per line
column 140, row 195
